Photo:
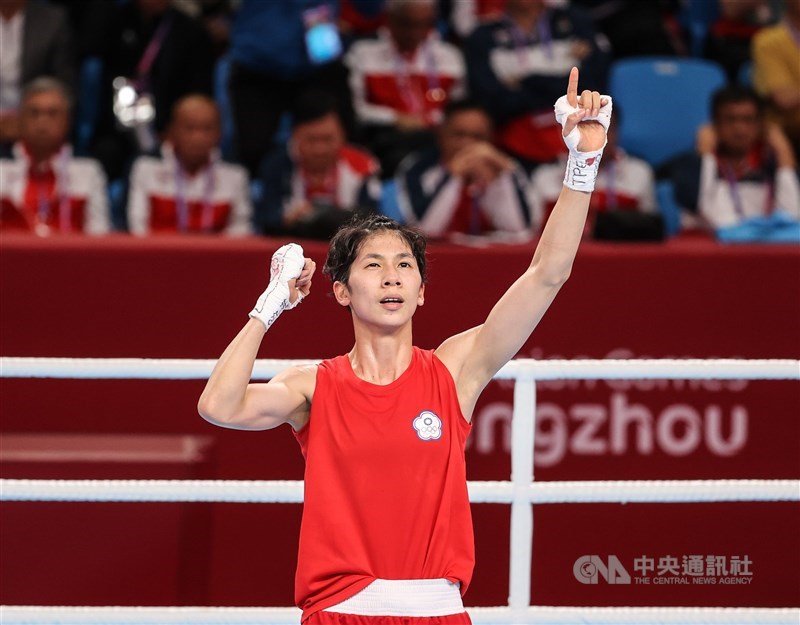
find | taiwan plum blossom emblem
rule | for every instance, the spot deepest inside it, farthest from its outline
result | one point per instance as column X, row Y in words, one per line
column 428, row 426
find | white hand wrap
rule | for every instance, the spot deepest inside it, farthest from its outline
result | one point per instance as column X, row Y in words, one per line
column 287, row 264
column 582, row 167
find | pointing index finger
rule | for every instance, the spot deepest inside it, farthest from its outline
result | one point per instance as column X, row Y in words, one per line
column 572, row 87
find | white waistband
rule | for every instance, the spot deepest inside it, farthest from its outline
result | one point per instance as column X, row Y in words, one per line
column 404, row 597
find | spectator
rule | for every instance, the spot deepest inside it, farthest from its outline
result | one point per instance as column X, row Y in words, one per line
column 518, row 65
column 636, row 28
column 188, row 188
column 744, row 167
column 153, row 55
column 215, row 15
column 402, row 80
column 278, row 51
column 35, row 40
column 312, row 185
column 729, row 38
column 465, row 15
column 464, row 185
column 623, row 204
column 355, row 25
column 45, row 189
column 776, row 51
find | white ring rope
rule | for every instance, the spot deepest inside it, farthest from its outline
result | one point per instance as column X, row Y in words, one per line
column 58, row 615
column 518, row 492
column 277, row 491
column 519, row 369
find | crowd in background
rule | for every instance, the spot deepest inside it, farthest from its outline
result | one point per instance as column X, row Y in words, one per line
column 284, row 117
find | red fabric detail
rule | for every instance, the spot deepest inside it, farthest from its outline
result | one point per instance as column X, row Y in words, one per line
column 489, row 8
column 321, row 189
column 355, row 22
column 381, row 502
column 17, row 218
column 734, row 29
column 25, row 216
column 12, row 218
column 359, row 161
column 333, row 618
column 525, row 138
column 755, row 163
column 468, row 218
column 39, row 182
column 164, row 215
column 599, row 202
column 385, row 90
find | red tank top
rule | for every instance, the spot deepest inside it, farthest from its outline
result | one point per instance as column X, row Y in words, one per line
column 385, row 483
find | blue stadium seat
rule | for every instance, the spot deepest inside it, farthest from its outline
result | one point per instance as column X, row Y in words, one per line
column 663, row 101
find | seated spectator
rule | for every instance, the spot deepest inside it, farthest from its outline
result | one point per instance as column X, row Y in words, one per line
column 153, row 54
column 624, row 196
column 402, row 80
column 744, row 167
column 279, row 50
column 313, row 184
column 518, row 66
column 776, row 70
column 464, row 185
column 44, row 189
column 35, row 40
column 188, row 188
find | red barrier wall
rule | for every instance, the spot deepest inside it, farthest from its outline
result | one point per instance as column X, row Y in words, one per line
column 186, row 298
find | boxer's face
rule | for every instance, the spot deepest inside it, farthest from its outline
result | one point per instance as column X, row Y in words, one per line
column 385, row 286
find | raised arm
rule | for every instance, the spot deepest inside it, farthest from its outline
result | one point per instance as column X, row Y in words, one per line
column 474, row 356
column 229, row 400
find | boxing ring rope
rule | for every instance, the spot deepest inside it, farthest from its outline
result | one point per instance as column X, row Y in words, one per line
column 519, row 369
column 520, row 492
column 288, row 491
